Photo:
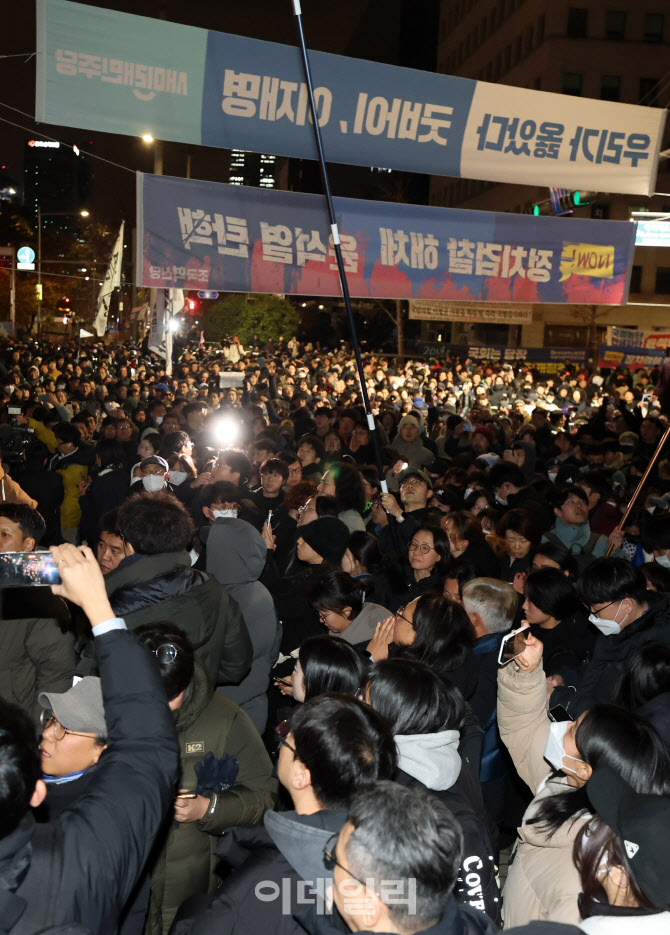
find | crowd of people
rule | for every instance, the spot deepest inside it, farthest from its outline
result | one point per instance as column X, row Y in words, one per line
column 277, row 688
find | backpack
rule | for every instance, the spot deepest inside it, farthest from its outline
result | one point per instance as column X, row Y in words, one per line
column 583, row 558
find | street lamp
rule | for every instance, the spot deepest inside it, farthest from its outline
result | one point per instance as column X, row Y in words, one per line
column 149, row 139
column 40, row 214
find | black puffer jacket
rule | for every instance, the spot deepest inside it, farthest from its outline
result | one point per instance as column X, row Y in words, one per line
column 151, row 588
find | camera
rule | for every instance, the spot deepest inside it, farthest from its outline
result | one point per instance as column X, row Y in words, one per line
column 17, row 440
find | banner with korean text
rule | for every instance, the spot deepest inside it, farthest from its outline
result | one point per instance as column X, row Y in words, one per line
column 636, row 338
column 233, row 238
column 634, row 358
column 121, row 73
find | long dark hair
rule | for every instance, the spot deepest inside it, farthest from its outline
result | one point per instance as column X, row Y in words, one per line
column 330, row 664
column 647, row 674
column 413, row 698
column 444, row 634
column 348, row 487
column 610, row 736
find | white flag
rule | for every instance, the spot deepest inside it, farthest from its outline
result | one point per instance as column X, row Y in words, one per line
column 111, row 282
column 83, row 333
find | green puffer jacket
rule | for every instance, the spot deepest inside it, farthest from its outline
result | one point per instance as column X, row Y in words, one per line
column 208, row 722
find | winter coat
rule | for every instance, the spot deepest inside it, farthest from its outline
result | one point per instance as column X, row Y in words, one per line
column 236, row 556
column 108, row 490
column 414, row 453
column 208, row 722
column 617, row 921
column 362, row 628
column 292, row 596
column 73, row 468
column 543, row 882
column 286, row 850
column 150, row 588
column 107, row 838
column 602, row 675
column 11, row 492
column 35, row 656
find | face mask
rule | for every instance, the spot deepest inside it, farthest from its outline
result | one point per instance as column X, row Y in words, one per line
column 468, row 491
column 153, row 482
column 159, row 420
column 554, row 751
column 663, row 560
column 552, row 475
column 500, row 500
column 224, row 514
column 178, row 477
column 608, row 627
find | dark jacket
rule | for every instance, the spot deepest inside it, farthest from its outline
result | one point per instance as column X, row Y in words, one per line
column 208, row 722
column 35, row 656
column 107, row 839
column 602, row 675
column 482, row 559
column 292, row 597
column 414, row 588
column 149, row 588
column 236, row 557
column 287, row 849
column 108, row 490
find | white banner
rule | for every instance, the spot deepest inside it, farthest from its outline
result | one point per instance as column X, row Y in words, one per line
column 502, row 313
column 111, row 282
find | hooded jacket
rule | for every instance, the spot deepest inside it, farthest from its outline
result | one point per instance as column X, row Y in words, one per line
column 236, row 555
column 150, row 588
column 271, row 860
column 543, row 882
column 208, row 722
column 73, row 468
column 362, row 628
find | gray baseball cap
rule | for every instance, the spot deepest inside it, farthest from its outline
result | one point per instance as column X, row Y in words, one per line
column 79, row 708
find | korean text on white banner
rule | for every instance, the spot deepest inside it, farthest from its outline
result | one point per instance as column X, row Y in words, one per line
column 492, row 313
column 121, row 73
column 234, row 238
column 111, row 282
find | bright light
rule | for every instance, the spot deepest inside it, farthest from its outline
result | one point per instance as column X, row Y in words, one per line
column 147, row 137
column 321, row 307
column 11, row 191
column 75, row 150
column 303, row 305
column 191, row 305
column 226, row 431
column 87, row 278
column 84, row 213
column 175, row 325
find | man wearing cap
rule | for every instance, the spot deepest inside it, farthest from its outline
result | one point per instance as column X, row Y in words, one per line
column 416, row 489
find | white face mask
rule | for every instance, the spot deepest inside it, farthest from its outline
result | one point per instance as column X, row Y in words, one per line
column 224, row 514
column 159, row 420
column 663, row 560
column 500, row 500
column 153, row 482
column 554, row 751
column 178, row 477
column 552, row 475
column 608, row 627
column 468, row 491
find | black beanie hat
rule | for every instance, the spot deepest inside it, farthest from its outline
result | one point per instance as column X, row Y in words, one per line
column 328, row 536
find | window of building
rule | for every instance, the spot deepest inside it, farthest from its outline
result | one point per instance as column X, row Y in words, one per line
column 636, row 279
column 572, row 83
column 648, row 92
column 529, row 39
column 600, row 211
column 615, row 24
column 610, row 88
column 541, row 20
column 570, row 335
column 653, row 27
column 577, row 22
column 663, row 280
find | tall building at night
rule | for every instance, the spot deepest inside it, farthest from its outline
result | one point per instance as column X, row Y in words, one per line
column 56, row 180
column 587, row 50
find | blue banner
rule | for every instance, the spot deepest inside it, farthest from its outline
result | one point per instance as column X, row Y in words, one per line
column 634, row 358
column 121, row 73
column 231, row 238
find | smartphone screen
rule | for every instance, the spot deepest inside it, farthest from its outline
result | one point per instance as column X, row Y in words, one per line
column 27, row 569
column 559, row 714
column 513, row 645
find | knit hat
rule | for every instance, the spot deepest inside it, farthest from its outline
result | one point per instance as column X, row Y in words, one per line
column 80, row 708
column 409, row 419
column 328, row 536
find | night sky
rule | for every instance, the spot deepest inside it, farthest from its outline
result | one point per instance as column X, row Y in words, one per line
column 352, row 27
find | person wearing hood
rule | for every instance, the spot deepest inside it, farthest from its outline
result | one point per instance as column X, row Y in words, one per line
column 340, row 603
column 331, row 746
column 153, row 475
column 409, row 445
column 225, row 781
column 236, row 555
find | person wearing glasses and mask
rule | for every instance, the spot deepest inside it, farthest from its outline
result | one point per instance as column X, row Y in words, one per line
column 225, row 780
column 331, row 747
column 627, row 615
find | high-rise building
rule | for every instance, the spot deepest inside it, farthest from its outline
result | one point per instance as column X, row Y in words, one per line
column 586, row 50
column 256, row 169
column 56, row 181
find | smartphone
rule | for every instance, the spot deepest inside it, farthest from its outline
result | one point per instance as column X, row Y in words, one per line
column 404, row 466
column 558, row 713
column 468, row 428
column 279, row 681
column 187, row 795
column 269, row 520
column 645, row 398
column 513, row 645
column 27, row 569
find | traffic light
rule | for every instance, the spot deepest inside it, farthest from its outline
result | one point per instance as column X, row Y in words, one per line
column 191, row 305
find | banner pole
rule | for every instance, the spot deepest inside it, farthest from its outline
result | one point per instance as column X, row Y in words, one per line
column 338, row 254
column 639, row 487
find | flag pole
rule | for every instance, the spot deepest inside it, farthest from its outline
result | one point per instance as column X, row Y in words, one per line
column 372, row 428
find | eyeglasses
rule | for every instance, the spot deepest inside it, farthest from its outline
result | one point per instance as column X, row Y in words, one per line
column 597, row 613
column 423, row 547
column 282, row 730
column 330, row 861
column 166, row 653
column 48, row 720
column 399, row 613
column 295, row 470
